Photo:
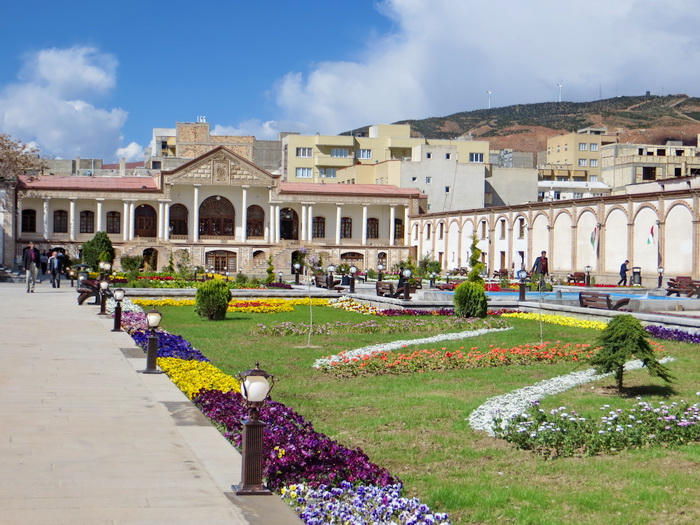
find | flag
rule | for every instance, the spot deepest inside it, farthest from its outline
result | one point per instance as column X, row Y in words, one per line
column 650, row 239
column 593, row 236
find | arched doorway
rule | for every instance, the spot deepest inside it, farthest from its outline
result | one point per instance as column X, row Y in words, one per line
column 145, row 221
column 255, row 222
column 222, row 261
column 178, row 219
column 289, row 224
column 353, row 259
column 150, row 260
column 217, row 217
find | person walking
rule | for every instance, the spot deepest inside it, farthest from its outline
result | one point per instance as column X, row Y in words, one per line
column 31, row 260
column 44, row 263
column 541, row 265
column 56, row 268
column 623, row 273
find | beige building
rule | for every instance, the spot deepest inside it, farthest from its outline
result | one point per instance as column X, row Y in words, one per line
column 579, row 152
column 315, row 158
column 624, row 164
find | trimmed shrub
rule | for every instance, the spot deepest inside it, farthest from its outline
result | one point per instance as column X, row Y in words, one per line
column 212, row 299
column 470, row 300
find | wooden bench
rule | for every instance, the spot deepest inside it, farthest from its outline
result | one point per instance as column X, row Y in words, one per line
column 447, row 287
column 576, row 277
column 385, row 289
column 88, row 288
column 683, row 285
column 324, row 281
column 601, row 300
column 500, row 274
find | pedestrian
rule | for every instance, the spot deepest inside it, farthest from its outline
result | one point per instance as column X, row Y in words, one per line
column 31, row 261
column 44, row 262
column 623, row 273
column 56, row 268
column 541, row 266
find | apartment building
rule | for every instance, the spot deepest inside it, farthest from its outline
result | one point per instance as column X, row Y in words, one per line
column 316, row 158
column 625, row 164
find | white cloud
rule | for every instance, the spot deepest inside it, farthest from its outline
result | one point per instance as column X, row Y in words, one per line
column 443, row 56
column 50, row 106
column 132, row 153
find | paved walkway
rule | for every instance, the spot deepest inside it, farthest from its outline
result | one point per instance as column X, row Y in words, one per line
column 86, row 439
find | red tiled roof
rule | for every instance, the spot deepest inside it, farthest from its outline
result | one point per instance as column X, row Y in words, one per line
column 87, row 183
column 376, row 190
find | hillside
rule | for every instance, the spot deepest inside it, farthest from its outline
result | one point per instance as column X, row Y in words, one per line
column 526, row 127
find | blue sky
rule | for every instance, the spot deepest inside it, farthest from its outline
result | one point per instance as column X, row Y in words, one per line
column 93, row 78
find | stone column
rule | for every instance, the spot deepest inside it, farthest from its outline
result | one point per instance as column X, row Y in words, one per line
column 310, row 233
column 195, row 214
column 304, row 218
column 244, row 214
column 392, row 225
column 161, row 233
column 166, row 220
column 98, row 226
column 125, row 221
column 364, row 224
column 338, row 217
column 406, row 233
column 132, row 219
column 46, row 218
column 71, row 220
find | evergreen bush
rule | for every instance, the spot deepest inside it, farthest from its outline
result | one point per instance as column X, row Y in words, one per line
column 470, row 300
column 99, row 246
column 212, row 299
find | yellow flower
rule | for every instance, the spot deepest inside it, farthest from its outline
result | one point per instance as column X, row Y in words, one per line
column 192, row 376
column 559, row 319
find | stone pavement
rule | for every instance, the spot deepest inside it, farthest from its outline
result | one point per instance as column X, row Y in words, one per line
column 87, row 439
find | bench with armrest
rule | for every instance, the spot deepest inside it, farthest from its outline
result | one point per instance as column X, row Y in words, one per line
column 601, row 300
column 385, row 289
column 88, row 288
column 320, row 280
column 325, row 281
column 576, row 277
column 500, row 274
column 683, row 285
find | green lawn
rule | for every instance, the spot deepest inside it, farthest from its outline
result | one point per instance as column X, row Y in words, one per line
column 415, row 426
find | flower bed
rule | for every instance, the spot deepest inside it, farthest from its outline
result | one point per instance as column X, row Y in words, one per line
column 238, row 306
column 558, row 319
column 562, row 432
column 673, row 334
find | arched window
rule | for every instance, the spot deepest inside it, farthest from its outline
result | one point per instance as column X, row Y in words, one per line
column 217, row 217
column 353, row 259
column 29, row 221
column 114, row 222
column 60, row 221
column 178, row 219
column 427, row 232
column 441, row 230
column 289, row 224
column 87, row 221
column 346, row 228
column 398, row 229
column 222, row 261
column 145, row 221
column 319, row 227
column 255, row 221
column 381, row 259
column 373, row 228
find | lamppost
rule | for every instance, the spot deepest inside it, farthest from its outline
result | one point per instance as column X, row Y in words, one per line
column 71, row 276
column 380, row 267
column 104, row 288
column 587, row 282
column 660, row 269
column 522, row 275
column 353, row 271
column 153, row 318
column 297, row 271
column 227, row 275
column 329, row 282
column 279, row 277
column 406, row 293
column 256, row 385
column 432, row 279
column 118, row 295
column 447, row 277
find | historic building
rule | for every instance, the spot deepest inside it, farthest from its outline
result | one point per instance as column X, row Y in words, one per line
column 220, row 209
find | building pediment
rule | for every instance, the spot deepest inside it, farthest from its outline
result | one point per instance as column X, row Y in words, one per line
column 220, row 167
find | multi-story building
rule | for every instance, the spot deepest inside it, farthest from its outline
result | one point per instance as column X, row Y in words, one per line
column 624, row 164
column 314, row 158
column 579, row 151
column 219, row 209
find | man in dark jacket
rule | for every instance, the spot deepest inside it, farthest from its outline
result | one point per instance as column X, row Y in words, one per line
column 31, row 261
column 56, row 268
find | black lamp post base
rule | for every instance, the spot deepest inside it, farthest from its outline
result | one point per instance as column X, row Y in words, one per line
column 147, row 371
column 251, row 490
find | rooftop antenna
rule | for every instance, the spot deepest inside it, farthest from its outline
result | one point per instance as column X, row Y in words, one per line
column 560, row 85
column 489, row 95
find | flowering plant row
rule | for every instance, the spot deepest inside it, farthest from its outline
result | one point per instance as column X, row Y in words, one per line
column 426, row 360
column 262, row 306
column 563, row 432
column 558, row 319
column 673, row 334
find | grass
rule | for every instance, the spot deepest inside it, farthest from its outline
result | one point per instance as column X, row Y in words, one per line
column 415, row 426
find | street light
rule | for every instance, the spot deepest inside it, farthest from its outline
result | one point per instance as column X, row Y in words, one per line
column 353, row 271
column 432, row 279
column 256, row 385
column 522, row 275
column 588, row 269
column 153, row 318
column 118, row 297
column 660, row 269
column 279, row 275
column 71, row 276
column 380, row 267
column 406, row 293
column 297, row 271
column 104, row 287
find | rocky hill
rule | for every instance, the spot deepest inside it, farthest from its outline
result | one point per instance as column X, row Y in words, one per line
column 526, row 127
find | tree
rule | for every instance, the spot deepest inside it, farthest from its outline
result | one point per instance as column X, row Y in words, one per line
column 477, row 267
column 622, row 339
column 16, row 158
column 97, row 249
